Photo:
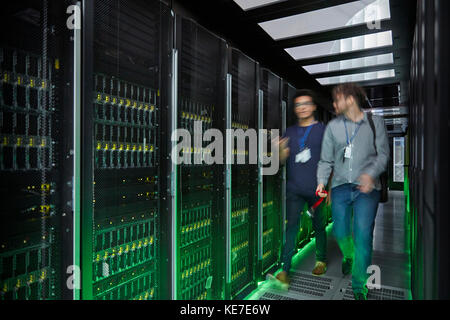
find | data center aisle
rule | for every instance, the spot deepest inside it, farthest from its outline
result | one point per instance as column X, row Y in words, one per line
column 391, row 254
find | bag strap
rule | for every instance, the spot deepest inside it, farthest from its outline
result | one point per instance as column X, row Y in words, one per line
column 372, row 126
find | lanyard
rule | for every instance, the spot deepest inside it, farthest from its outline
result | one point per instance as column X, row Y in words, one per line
column 354, row 134
column 305, row 137
column 311, row 211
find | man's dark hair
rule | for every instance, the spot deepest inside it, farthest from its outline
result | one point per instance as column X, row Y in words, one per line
column 303, row 93
column 306, row 93
column 351, row 89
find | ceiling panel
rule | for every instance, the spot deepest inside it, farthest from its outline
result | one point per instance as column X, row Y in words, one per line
column 252, row 4
column 340, row 36
column 371, row 61
column 332, row 18
column 358, row 77
column 330, row 48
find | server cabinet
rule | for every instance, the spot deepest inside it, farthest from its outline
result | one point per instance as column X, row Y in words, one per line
column 288, row 95
column 270, row 186
column 428, row 164
column 199, row 224
column 242, row 214
column 36, row 158
column 288, row 108
column 127, row 49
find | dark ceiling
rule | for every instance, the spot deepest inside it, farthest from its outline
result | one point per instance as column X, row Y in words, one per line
column 240, row 28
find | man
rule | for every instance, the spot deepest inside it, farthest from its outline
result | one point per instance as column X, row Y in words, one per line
column 348, row 148
column 300, row 150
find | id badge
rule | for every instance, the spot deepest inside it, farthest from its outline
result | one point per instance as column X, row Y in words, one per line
column 348, row 152
column 303, row 156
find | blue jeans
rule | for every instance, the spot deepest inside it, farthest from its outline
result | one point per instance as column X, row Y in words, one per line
column 294, row 206
column 359, row 246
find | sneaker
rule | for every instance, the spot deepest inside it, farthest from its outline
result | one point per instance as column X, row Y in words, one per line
column 283, row 278
column 320, row 268
column 360, row 296
column 347, row 266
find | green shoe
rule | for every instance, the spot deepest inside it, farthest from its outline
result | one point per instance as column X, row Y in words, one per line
column 360, row 296
column 281, row 281
column 347, row 266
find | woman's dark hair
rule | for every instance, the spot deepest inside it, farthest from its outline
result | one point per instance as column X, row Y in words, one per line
column 351, row 89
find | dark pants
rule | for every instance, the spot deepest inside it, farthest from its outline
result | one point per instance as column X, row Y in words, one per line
column 294, row 206
column 356, row 244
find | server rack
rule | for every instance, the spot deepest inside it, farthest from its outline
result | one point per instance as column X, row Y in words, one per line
column 270, row 187
column 428, row 163
column 288, row 109
column 241, row 234
column 36, row 151
column 288, row 95
column 199, row 265
column 127, row 46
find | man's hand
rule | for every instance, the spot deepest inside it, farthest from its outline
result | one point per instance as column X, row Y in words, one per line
column 366, row 183
column 284, row 151
column 319, row 191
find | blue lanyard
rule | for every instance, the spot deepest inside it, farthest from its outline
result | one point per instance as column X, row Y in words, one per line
column 305, row 136
column 354, row 134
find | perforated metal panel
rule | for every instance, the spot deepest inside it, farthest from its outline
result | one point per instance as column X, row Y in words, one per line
column 36, row 136
column 273, row 296
column 385, row 293
column 126, row 113
column 305, row 286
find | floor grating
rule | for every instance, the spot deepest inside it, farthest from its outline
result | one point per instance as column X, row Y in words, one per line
column 305, row 286
column 273, row 296
column 385, row 293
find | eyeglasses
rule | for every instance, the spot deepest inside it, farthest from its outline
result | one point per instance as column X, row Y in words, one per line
column 309, row 103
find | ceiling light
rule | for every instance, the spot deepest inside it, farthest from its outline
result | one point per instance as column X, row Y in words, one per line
column 358, row 77
column 329, row 48
column 331, row 18
column 342, row 65
column 253, row 4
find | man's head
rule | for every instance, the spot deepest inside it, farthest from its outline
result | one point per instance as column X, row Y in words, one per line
column 304, row 104
column 346, row 96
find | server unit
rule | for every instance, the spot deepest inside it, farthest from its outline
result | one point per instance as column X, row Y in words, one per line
column 36, row 151
column 124, row 102
column 271, row 117
column 198, row 262
column 242, row 201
